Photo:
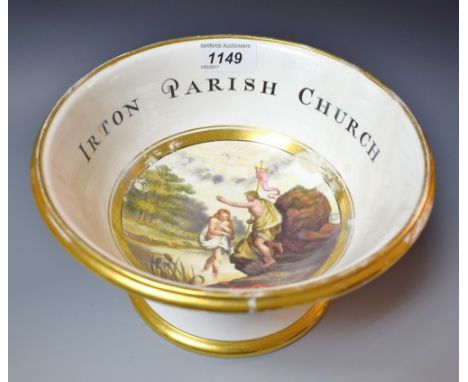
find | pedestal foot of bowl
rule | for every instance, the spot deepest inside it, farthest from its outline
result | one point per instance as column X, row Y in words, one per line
column 229, row 334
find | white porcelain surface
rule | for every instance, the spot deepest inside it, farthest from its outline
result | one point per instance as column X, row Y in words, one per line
column 385, row 191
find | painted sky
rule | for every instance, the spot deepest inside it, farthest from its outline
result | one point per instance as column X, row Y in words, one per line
column 228, row 168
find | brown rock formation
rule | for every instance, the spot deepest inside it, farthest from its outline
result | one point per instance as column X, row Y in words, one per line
column 307, row 236
column 305, row 219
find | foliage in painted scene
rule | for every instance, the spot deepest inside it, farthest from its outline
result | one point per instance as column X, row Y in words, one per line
column 159, row 208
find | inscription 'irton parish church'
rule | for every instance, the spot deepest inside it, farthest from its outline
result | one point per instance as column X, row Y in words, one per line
column 174, row 89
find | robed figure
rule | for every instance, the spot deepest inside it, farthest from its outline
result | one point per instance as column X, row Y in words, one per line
column 265, row 223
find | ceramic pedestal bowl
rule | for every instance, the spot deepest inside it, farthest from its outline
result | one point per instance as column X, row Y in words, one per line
column 233, row 185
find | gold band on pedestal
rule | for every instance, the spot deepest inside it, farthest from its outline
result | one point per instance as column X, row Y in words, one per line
column 229, row 349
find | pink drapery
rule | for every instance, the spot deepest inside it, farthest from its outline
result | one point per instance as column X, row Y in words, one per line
column 262, row 177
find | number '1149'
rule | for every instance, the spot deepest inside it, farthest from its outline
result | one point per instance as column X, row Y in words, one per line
column 231, row 58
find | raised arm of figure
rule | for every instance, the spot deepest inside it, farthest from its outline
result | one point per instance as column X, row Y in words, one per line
column 232, row 203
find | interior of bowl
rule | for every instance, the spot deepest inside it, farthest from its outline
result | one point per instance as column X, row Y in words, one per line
column 286, row 168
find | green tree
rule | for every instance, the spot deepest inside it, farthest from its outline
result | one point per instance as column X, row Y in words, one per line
column 160, row 196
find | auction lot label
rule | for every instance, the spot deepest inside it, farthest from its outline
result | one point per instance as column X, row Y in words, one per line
column 228, row 55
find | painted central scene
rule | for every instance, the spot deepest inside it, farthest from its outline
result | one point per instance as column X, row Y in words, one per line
column 233, row 214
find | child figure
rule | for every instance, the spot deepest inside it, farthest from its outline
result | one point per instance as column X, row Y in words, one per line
column 217, row 236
